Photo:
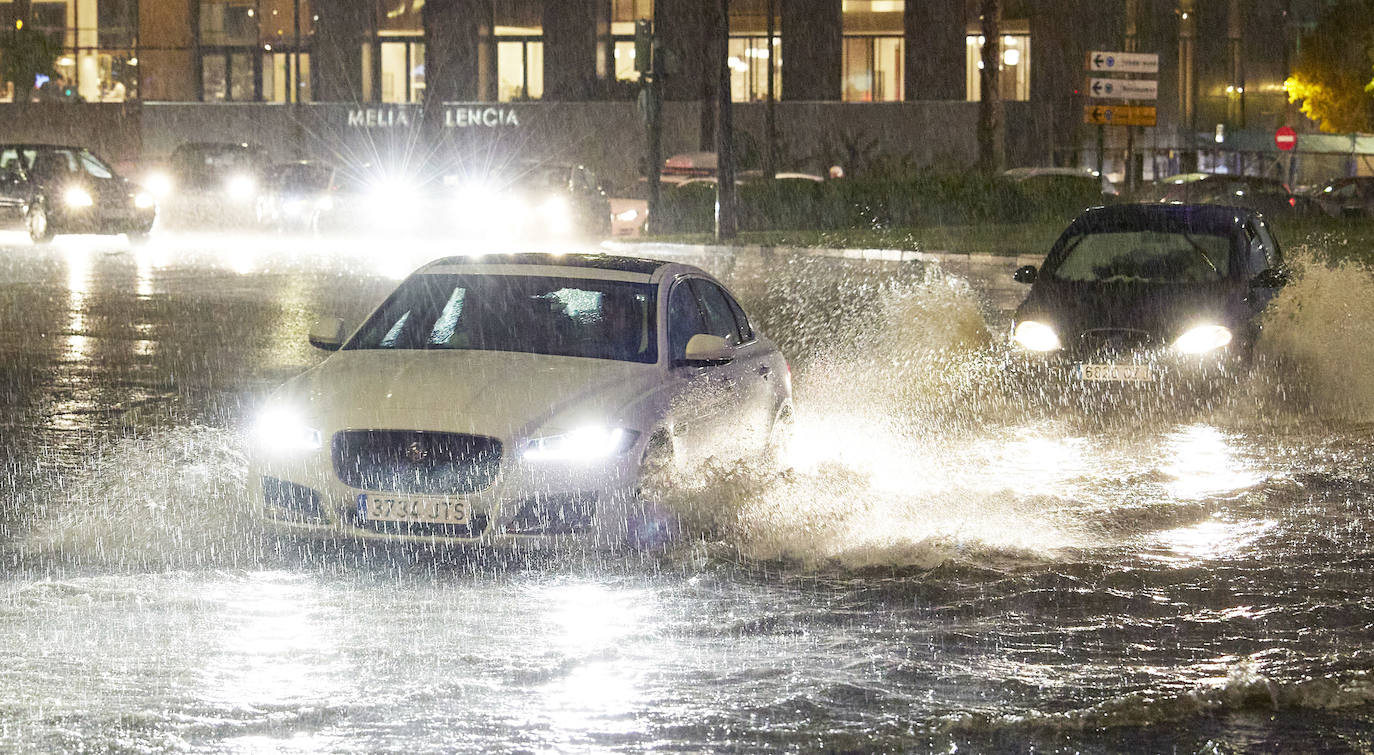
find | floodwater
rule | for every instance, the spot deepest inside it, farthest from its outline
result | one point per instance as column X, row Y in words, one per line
column 947, row 559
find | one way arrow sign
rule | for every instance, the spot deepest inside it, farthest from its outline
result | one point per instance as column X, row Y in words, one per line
column 1124, row 89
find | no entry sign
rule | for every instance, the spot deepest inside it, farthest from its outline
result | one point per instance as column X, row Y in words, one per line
column 1286, row 138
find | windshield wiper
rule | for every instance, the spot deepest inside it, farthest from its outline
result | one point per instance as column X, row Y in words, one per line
column 1201, row 252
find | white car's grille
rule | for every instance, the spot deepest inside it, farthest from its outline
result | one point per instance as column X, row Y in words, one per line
column 407, row 461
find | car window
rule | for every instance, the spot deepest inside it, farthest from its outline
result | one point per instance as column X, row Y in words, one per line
column 1273, row 256
column 684, row 319
column 9, row 161
column 94, row 167
column 720, row 319
column 50, row 163
column 746, row 331
column 1144, row 257
column 533, row 314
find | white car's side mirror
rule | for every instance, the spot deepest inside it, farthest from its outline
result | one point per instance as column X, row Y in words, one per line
column 704, row 347
column 327, row 334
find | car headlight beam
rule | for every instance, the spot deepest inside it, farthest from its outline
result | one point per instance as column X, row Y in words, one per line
column 282, row 429
column 1036, row 336
column 583, row 444
column 1203, row 338
column 75, row 196
column 143, row 200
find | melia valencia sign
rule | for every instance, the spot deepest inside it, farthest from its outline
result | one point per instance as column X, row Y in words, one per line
column 454, row 116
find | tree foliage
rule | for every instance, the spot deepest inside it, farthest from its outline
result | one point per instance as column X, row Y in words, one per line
column 1331, row 80
column 24, row 55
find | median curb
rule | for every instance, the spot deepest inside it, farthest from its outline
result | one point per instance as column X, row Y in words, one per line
column 955, row 262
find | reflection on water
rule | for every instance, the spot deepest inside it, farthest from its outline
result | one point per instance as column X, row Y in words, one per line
column 935, row 566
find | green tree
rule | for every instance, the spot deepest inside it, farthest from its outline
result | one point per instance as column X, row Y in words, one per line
column 1331, row 78
column 25, row 54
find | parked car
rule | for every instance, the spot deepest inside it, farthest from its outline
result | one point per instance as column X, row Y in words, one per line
column 1346, row 197
column 1267, row 195
column 524, row 397
column 296, row 195
column 1138, row 293
column 52, row 189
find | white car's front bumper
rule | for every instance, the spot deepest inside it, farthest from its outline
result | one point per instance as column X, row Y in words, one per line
column 526, row 501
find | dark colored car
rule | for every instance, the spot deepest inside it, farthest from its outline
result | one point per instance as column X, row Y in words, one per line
column 1267, row 195
column 1142, row 292
column 530, row 199
column 296, row 195
column 222, row 170
column 1351, row 197
column 54, row 189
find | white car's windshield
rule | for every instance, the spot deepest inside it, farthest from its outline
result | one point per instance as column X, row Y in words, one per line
column 1145, row 257
column 540, row 315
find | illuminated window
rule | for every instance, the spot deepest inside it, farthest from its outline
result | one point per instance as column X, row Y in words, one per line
column 873, row 68
column 1014, row 76
column 749, row 68
column 403, row 70
column 279, row 75
column 519, row 69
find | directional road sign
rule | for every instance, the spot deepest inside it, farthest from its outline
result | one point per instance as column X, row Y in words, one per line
column 1119, row 115
column 1123, row 89
column 1123, row 62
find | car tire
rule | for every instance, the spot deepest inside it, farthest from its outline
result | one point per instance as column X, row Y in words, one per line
column 650, row 524
column 778, row 435
column 39, row 224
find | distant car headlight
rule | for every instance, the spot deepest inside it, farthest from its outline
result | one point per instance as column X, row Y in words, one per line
column 324, row 204
column 1036, row 336
column 282, row 429
column 628, row 216
column 159, row 183
column 557, row 213
column 241, row 187
column 75, row 196
column 583, row 444
column 143, row 200
column 1203, row 338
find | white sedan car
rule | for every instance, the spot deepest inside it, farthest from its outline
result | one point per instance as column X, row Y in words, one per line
column 517, row 397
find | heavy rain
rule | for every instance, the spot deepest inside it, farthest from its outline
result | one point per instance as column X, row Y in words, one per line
column 774, row 451
column 943, row 558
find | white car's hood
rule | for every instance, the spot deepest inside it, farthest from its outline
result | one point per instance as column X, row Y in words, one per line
column 496, row 393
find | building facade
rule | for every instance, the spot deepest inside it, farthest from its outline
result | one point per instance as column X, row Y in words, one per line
column 1222, row 62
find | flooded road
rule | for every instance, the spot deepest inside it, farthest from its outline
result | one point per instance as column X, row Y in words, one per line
column 947, row 559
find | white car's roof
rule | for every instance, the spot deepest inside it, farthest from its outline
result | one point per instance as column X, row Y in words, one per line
column 590, row 266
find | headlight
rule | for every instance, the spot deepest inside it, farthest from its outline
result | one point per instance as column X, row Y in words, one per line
column 143, row 200
column 283, row 430
column 582, row 444
column 241, row 187
column 160, row 184
column 628, row 216
column 324, row 204
column 1203, row 338
column 556, row 213
column 1036, row 336
column 76, row 196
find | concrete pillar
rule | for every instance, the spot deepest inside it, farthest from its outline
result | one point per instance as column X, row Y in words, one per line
column 935, row 32
column 336, row 60
column 569, row 49
column 455, row 31
column 87, row 44
column 812, row 49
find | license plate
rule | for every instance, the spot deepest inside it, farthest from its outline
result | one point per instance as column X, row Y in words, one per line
column 1126, row 373
column 414, row 509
